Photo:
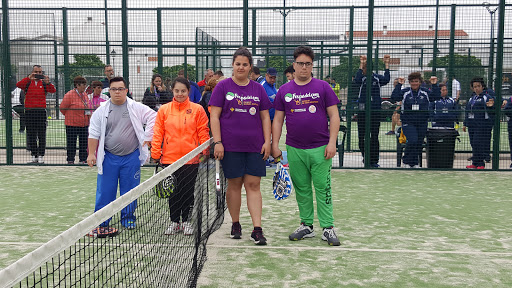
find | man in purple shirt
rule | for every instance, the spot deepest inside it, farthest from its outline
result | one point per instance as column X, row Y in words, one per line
column 310, row 142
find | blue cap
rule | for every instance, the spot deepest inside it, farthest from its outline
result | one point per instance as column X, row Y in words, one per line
column 272, row 71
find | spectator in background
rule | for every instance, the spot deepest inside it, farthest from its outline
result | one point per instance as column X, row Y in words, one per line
column 208, row 74
column 508, row 111
column 195, row 95
column 207, row 94
column 336, row 88
column 96, row 97
column 77, row 110
column 444, row 110
column 478, row 121
column 121, row 131
column 18, row 105
column 218, row 74
column 395, row 119
column 173, row 138
column 109, row 73
column 240, row 126
column 156, row 94
column 36, row 85
column 270, row 87
column 376, row 114
column 289, row 73
column 414, row 114
column 256, row 75
column 455, row 89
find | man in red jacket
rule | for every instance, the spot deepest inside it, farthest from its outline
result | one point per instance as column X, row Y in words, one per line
column 36, row 85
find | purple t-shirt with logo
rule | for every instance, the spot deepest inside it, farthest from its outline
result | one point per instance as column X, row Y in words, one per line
column 240, row 121
column 305, row 110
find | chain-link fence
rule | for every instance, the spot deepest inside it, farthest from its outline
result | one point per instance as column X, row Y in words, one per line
column 455, row 41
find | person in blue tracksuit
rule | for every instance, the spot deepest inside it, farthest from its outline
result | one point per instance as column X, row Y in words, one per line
column 508, row 112
column 443, row 112
column 415, row 102
column 270, row 87
column 377, row 82
column 479, row 121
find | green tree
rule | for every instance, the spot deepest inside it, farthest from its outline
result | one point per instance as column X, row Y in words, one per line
column 465, row 68
column 277, row 62
column 169, row 73
column 86, row 65
column 341, row 72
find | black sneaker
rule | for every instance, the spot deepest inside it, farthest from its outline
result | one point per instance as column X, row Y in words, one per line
column 236, row 230
column 257, row 236
column 330, row 236
column 302, row 232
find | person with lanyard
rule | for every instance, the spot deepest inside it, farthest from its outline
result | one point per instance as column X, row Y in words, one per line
column 156, row 94
column 507, row 110
column 414, row 113
column 96, row 97
column 240, row 125
column 443, row 111
column 306, row 103
column 77, row 110
column 478, row 121
column 377, row 82
column 173, row 138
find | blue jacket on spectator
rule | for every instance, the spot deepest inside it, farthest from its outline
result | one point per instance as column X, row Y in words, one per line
column 377, row 82
column 477, row 112
column 194, row 94
column 410, row 99
column 443, row 112
column 271, row 92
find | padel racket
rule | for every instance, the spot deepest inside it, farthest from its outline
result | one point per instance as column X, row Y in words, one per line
column 217, row 185
column 164, row 188
column 282, row 184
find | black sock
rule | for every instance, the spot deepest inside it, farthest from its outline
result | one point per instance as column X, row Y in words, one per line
column 311, row 226
column 258, row 229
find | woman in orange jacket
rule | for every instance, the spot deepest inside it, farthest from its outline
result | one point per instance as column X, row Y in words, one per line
column 77, row 110
column 180, row 127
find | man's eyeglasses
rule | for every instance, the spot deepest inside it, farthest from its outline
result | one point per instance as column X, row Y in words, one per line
column 117, row 89
column 302, row 64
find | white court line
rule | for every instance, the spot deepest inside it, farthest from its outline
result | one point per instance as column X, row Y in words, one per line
column 326, row 248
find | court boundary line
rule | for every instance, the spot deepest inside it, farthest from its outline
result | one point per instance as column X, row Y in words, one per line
column 326, row 248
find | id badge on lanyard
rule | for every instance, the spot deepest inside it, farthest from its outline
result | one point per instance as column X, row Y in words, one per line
column 416, row 107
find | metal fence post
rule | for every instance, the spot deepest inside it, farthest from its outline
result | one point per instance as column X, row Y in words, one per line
column 124, row 24
column 369, row 71
column 107, row 41
column 350, row 109
column 65, row 39
column 6, row 47
column 498, row 87
column 159, row 41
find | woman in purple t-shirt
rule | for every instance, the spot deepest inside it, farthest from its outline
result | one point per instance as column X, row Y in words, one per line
column 240, row 125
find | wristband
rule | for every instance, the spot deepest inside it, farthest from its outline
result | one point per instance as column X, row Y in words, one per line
column 218, row 142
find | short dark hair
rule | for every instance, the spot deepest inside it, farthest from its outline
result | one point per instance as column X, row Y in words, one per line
column 79, row 80
column 289, row 70
column 479, row 80
column 218, row 72
column 96, row 83
column 38, row 66
column 442, row 85
column 108, row 65
column 306, row 50
column 181, row 80
column 256, row 70
column 242, row 51
column 118, row 79
column 415, row 75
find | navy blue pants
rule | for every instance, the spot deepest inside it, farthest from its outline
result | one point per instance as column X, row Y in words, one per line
column 124, row 170
column 479, row 135
column 415, row 134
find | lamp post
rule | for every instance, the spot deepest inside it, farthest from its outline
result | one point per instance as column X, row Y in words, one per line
column 113, row 54
column 490, row 81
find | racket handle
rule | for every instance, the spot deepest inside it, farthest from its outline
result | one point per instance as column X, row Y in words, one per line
column 217, row 175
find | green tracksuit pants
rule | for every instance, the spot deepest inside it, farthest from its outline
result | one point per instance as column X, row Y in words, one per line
column 308, row 165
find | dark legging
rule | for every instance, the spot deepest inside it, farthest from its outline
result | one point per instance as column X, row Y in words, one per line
column 374, row 135
column 182, row 198
column 72, row 133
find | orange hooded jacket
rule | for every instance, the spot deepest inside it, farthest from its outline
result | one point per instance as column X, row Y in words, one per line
column 181, row 127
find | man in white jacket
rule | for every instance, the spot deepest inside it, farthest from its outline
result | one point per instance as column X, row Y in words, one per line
column 117, row 135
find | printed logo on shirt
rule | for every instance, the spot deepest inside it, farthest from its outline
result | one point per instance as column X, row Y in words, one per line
column 230, row 96
column 252, row 111
column 126, row 114
column 240, row 110
column 298, row 110
column 289, row 97
column 312, row 109
column 189, row 111
column 137, row 175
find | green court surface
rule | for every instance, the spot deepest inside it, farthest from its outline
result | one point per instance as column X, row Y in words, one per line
column 400, row 228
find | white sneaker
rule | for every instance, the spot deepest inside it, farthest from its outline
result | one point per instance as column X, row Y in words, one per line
column 41, row 159
column 187, row 228
column 34, row 160
column 174, row 228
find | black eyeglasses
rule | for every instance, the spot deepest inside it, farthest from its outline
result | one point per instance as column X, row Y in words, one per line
column 302, row 64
